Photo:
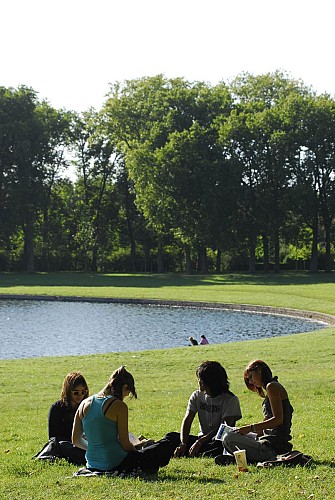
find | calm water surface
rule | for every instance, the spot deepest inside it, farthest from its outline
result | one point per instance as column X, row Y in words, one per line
column 35, row 329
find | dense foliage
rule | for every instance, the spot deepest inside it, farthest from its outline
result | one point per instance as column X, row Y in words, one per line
column 170, row 176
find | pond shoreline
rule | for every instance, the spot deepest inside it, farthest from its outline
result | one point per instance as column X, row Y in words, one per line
column 250, row 308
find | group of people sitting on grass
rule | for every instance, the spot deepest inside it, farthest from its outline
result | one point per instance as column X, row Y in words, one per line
column 93, row 430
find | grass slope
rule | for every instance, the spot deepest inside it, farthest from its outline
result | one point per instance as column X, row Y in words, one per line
column 299, row 290
column 165, row 378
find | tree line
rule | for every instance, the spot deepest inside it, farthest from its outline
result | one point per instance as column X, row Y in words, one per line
column 170, row 175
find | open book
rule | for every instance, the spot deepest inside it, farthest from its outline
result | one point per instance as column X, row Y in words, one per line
column 223, row 429
column 140, row 441
column 133, row 439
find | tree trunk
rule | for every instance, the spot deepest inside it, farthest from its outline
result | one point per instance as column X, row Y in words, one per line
column 218, row 261
column 94, row 260
column 188, row 262
column 277, row 252
column 146, row 255
column 29, row 258
column 314, row 257
column 203, row 260
column 44, row 260
column 328, row 262
column 133, row 255
column 160, row 262
column 130, row 229
column 252, row 255
column 266, row 264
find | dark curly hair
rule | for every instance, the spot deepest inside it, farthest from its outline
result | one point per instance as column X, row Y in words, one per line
column 214, row 376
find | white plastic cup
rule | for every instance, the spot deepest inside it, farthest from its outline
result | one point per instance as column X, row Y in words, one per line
column 241, row 460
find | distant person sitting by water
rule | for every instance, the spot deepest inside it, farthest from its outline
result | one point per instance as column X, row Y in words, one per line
column 193, row 341
column 214, row 404
column 203, row 340
column 61, row 416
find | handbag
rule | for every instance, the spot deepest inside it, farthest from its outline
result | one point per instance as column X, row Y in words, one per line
column 289, row 459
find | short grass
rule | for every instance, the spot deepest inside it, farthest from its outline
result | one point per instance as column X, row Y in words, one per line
column 298, row 290
column 165, row 378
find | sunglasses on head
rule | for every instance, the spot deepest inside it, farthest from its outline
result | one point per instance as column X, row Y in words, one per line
column 81, row 393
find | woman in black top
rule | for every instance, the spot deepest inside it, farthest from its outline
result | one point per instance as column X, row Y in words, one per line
column 273, row 433
column 62, row 412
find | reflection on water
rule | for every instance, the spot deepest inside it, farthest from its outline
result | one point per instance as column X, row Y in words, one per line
column 35, row 329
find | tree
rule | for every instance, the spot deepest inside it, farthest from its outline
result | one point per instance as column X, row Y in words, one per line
column 168, row 140
column 55, row 229
column 257, row 140
column 318, row 164
column 96, row 159
column 31, row 153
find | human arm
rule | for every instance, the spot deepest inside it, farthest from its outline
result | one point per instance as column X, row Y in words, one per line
column 231, row 410
column 118, row 412
column 77, row 430
column 195, row 449
column 184, row 433
column 276, row 393
column 231, row 421
column 54, row 421
column 60, row 421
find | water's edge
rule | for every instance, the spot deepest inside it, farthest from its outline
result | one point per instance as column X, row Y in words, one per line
column 250, row 308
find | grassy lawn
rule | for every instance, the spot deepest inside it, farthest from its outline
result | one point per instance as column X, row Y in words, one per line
column 164, row 379
column 299, row 290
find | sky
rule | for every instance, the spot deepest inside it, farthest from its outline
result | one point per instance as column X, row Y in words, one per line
column 69, row 51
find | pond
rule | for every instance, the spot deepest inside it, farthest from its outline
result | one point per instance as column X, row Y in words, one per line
column 30, row 328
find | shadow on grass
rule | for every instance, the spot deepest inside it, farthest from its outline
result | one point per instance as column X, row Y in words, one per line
column 325, row 463
column 9, row 280
column 186, row 477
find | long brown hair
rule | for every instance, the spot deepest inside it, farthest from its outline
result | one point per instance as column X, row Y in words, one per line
column 266, row 376
column 70, row 382
column 117, row 380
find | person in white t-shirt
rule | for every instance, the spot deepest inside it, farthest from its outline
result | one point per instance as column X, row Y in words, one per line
column 214, row 403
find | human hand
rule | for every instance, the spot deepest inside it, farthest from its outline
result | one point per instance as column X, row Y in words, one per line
column 147, row 442
column 180, row 450
column 144, row 444
column 242, row 430
column 195, row 449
